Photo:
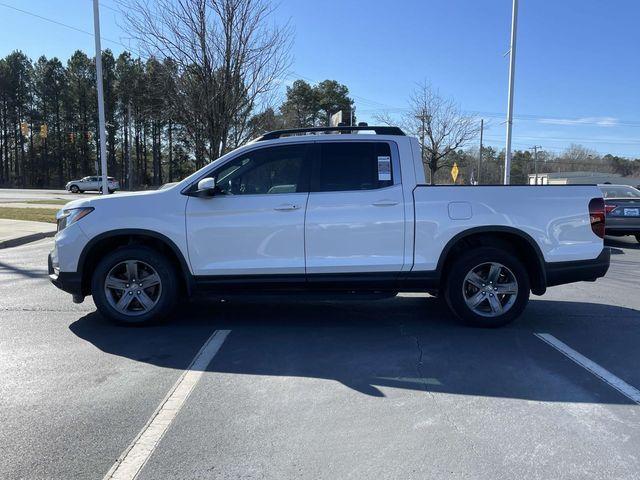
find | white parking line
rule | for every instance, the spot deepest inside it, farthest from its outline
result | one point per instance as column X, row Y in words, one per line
column 130, row 463
column 600, row 372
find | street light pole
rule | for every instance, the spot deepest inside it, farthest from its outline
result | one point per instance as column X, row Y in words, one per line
column 480, row 155
column 512, row 67
column 101, row 120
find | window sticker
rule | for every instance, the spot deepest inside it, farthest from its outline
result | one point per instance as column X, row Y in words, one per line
column 384, row 168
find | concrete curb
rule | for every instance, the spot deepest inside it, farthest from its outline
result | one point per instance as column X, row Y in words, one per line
column 14, row 242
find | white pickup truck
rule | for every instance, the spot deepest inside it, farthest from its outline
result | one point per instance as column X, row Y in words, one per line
column 343, row 211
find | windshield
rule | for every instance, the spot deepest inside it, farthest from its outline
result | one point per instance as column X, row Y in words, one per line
column 620, row 191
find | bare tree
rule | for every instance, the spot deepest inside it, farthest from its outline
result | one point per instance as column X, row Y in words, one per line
column 229, row 55
column 439, row 125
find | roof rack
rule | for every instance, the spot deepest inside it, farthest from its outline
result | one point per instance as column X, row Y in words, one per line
column 384, row 130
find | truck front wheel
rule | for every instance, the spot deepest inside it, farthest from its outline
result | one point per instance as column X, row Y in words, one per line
column 134, row 285
column 487, row 287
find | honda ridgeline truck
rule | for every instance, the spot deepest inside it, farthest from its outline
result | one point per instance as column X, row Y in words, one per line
column 342, row 211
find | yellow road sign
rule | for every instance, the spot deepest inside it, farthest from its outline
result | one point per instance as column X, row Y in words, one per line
column 454, row 172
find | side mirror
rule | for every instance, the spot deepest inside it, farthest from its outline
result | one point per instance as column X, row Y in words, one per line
column 206, row 187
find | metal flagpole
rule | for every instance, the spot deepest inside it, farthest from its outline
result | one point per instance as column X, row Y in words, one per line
column 101, row 120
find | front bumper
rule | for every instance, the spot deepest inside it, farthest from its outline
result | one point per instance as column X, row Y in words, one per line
column 70, row 282
column 559, row 273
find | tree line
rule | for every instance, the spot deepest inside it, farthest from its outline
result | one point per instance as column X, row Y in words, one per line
column 49, row 128
column 200, row 85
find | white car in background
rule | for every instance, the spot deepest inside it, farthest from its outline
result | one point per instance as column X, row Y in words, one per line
column 88, row 184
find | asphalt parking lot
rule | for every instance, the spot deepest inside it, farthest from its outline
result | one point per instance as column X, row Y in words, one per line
column 318, row 388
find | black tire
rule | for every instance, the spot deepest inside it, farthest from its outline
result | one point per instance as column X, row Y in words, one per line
column 638, row 237
column 111, row 191
column 471, row 260
column 74, row 189
column 166, row 298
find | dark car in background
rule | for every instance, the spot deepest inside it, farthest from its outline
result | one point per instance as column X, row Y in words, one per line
column 622, row 209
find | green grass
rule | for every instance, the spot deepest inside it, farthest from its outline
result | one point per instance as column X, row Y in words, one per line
column 48, row 202
column 31, row 214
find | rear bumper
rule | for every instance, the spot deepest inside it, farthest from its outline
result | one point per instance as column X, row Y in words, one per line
column 70, row 282
column 559, row 273
column 617, row 225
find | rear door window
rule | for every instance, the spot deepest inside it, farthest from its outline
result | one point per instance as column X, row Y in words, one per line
column 349, row 166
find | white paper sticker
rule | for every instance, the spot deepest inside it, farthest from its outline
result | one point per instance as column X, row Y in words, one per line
column 384, row 168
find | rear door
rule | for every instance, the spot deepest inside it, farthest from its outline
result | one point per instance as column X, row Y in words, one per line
column 355, row 219
column 255, row 224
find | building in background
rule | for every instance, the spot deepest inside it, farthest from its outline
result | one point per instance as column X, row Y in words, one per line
column 572, row 178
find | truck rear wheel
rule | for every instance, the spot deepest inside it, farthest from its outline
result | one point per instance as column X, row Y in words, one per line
column 487, row 287
column 134, row 285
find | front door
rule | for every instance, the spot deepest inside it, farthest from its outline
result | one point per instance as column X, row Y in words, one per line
column 255, row 224
column 355, row 214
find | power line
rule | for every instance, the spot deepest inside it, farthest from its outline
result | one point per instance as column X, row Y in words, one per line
column 553, row 120
column 103, row 5
column 51, row 20
column 71, row 27
column 577, row 139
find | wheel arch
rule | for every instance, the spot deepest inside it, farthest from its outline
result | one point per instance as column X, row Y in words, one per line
column 107, row 241
column 519, row 242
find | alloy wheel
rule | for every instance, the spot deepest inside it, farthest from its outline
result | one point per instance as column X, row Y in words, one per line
column 133, row 287
column 490, row 289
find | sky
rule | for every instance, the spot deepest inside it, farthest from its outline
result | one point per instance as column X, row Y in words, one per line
column 577, row 76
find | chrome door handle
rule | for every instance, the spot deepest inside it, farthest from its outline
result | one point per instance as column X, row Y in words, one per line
column 384, row 203
column 286, row 206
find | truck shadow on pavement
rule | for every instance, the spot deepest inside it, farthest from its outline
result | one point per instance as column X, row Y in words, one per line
column 22, row 272
column 370, row 346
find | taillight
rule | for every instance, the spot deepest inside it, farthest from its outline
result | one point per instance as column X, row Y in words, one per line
column 597, row 216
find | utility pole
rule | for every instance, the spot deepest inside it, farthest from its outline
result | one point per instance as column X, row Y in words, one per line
column 480, row 155
column 512, row 67
column 535, row 161
column 423, row 119
column 101, row 121
column 129, row 160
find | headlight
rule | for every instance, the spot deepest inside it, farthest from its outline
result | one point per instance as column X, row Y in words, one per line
column 69, row 216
